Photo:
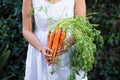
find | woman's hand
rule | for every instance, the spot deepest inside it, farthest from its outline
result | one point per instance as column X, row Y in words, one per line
column 63, row 49
column 48, row 57
column 44, row 50
column 67, row 44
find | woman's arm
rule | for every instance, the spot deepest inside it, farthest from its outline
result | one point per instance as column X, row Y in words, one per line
column 27, row 27
column 80, row 8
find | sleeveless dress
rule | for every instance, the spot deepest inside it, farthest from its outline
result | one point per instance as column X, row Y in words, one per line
column 36, row 66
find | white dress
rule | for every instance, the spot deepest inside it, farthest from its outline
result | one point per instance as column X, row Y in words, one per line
column 36, row 66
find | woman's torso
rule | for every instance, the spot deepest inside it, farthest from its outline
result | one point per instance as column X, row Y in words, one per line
column 46, row 14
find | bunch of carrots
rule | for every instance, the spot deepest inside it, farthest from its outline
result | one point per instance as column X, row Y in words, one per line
column 55, row 41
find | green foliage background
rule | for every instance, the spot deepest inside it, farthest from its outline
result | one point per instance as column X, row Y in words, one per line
column 108, row 58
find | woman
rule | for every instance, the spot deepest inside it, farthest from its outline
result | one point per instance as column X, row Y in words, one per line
column 37, row 67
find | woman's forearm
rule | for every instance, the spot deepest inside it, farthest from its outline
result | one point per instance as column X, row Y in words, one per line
column 80, row 8
column 27, row 25
column 32, row 39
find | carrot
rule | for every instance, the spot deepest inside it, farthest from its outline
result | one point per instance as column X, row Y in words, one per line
column 56, row 42
column 62, row 38
column 50, row 40
column 50, row 43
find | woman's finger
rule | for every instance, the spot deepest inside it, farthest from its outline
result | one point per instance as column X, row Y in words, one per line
column 49, row 50
column 60, row 52
column 49, row 55
column 49, row 60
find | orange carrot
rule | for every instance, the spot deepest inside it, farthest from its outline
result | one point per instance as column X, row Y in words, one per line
column 50, row 43
column 56, row 42
column 62, row 38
